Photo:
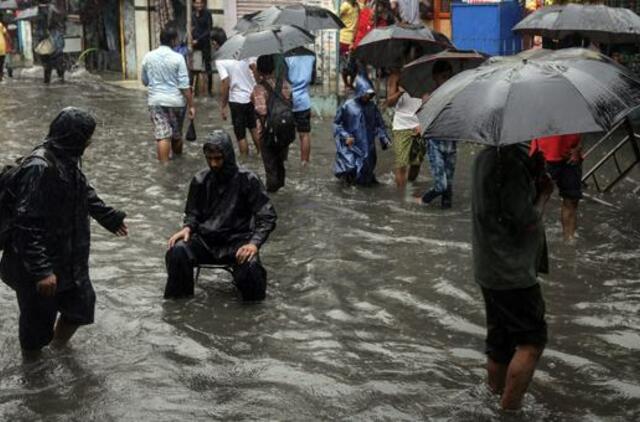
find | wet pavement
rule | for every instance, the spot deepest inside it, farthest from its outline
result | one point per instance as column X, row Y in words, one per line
column 372, row 313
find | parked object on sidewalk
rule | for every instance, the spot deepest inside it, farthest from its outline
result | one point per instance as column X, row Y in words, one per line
column 534, row 94
column 416, row 76
column 387, row 47
column 311, row 18
column 277, row 39
column 594, row 21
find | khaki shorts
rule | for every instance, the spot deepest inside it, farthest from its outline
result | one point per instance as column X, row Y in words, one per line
column 409, row 148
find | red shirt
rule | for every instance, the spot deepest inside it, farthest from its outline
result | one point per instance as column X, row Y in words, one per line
column 365, row 24
column 555, row 148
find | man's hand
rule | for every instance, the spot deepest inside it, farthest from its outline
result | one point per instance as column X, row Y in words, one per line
column 575, row 156
column 184, row 234
column 349, row 141
column 417, row 131
column 192, row 113
column 246, row 253
column 223, row 113
column 122, row 231
column 47, row 286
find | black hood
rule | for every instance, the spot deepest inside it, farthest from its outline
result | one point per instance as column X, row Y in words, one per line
column 219, row 140
column 71, row 131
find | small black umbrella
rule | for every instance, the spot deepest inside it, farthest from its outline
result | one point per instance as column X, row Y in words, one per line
column 388, row 46
column 277, row 39
column 596, row 22
column 311, row 18
column 537, row 93
column 416, row 76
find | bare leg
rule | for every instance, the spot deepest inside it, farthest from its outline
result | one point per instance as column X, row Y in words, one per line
column 519, row 375
column 243, row 147
column 414, row 171
column 401, row 177
column 255, row 135
column 569, row 217
column 163, row 147
column 497, row 374
column 63, row 332
column 305, row 147
column 176, row 146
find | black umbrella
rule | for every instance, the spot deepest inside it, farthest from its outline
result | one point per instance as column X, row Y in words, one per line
column 416, row 76
column 277, row 39
column 537, row 93
column 311, row 18
column 389, row 46
column 596, row 22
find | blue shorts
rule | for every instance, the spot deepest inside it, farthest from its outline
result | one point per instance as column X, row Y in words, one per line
column 38, row 313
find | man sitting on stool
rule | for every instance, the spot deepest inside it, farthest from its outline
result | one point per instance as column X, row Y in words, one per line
column 228, row 217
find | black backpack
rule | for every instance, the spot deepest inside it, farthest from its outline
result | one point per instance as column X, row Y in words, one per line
column 280, row 126
column 7, row 194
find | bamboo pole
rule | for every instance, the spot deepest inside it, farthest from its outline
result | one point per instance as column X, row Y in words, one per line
column 189, row 4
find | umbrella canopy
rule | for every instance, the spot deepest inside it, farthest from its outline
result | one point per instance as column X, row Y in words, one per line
column 278, row 39
column 8, row 4
column 416, row 76
column 537, row 93
column 596, row 22
column 311, row 18
column 389, row 46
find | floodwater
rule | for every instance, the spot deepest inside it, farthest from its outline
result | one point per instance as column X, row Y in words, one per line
column 372, row 313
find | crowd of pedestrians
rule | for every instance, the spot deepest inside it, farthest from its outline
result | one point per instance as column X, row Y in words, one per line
column 229, row 215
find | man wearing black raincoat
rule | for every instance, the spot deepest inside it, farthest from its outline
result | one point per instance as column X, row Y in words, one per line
column 228, row 217
column 46, row 257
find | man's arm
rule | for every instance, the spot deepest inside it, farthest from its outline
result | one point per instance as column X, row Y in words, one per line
column 224, row 98
column 394, row 90
column 185, row 88
column 263, row 211
column 143, row 74
column 108, row 217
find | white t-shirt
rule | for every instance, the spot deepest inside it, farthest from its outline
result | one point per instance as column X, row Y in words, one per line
column 241, row 80
column 405, row 115
column 409, row 11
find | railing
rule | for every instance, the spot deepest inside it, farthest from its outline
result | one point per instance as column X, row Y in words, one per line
column 631, row 139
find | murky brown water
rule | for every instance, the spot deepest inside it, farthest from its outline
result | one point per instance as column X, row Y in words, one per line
column 371, row 314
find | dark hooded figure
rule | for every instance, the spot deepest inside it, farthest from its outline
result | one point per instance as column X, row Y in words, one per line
column 46, row 257
column 228, row 217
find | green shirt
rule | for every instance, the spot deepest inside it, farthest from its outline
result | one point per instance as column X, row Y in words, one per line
column 508, row 235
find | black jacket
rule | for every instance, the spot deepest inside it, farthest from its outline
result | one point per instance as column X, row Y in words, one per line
column 53, row 204
column 229, row 208
column 202, row 29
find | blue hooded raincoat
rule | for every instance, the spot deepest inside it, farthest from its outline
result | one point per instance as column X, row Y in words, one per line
column 362, row 122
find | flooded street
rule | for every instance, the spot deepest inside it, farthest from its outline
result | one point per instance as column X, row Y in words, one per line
column 371, row 312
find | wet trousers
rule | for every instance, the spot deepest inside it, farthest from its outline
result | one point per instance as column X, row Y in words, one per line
column 2, row 58
column 250, row 278
column 442, row 163
column 54, row 61
column 273, row 159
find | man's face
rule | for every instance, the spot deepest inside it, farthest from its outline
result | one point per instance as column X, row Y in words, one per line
column 442, row 77
column 199, row 5
column 215, row 159
column 366, row 98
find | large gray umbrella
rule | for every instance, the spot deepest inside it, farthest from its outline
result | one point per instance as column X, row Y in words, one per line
column 537, row 93
column 596, row 22
column 416, row 77
column 277, row 39
column 311, row 18
column 389, row 46
column 8, row 4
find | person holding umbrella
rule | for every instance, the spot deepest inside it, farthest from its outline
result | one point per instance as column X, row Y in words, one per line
column 442, row 153
column 505, row 102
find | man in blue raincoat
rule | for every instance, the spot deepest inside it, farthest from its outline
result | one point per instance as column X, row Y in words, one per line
column 357, row 124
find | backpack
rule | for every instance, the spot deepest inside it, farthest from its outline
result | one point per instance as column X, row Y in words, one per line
column 7, row 195
column 280, row 125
